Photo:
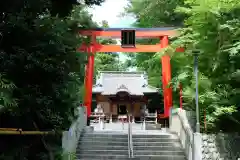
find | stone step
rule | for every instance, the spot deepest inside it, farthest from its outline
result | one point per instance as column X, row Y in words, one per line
column 119, row 143
column 100, row 147
column 169, row 144
column 103, row 152
column 145, row 139
column 170, row 136
column 94, row 134
column 157, row 148
column 155, row 140
column 111, row 159
column 101, row 156
column 159, row 157
column 136, row 152
column 120, row 157
column 104, row 136
column 105, row 133
column 158, row 153
column 135, row 144
column 120, row 139
column 90, row 142
column 114, row 146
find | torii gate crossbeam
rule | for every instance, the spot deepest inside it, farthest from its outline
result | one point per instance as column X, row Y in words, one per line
column 162, row 33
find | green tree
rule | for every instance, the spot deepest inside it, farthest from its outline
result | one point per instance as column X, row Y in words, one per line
column 148, row 14
column 108, row 61
column 40, row 73
column 212, row 28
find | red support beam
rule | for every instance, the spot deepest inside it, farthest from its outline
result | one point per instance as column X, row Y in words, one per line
column 94, row 47
column 166, row 78
column 180, row 49
column 89, row 77
column 117, row 33
column 118, row 48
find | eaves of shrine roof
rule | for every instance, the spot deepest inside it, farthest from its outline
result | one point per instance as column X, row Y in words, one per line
column 113, row 82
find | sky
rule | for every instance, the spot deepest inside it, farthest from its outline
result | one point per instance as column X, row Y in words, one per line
column 110, row 11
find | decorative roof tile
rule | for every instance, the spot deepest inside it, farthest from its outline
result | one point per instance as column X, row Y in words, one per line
column 135, row 83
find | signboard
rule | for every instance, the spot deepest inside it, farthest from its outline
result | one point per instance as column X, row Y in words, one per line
column 128, row 38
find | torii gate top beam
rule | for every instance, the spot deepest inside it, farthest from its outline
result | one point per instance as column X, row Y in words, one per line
column 140, row 32
column 131, row 33
column 117, row 33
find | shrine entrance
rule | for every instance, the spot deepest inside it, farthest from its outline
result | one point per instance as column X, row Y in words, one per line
column 122, row 109
column 128, row 44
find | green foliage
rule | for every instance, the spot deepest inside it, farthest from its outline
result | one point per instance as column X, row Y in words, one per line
column 212, row 28
column 156, row 13
column 108, row 61
column 41, row 73
column 69, row 156
column 61, row 8
column 6, row 90
column 153, row 13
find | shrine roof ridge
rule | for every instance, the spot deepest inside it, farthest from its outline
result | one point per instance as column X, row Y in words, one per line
column 136, row 29
column 133, row 82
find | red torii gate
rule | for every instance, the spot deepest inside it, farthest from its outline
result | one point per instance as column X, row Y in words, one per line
column 94, row 46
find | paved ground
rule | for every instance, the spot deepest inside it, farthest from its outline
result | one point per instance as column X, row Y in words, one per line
column 137, row 128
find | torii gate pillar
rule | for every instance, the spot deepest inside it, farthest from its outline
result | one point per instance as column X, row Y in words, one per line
column 89, row 74
column 94, row 47
column 166, row 79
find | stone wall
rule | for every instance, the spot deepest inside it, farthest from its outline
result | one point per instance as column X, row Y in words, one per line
column 181, row 124
column 70, row 138
column 211, row 146
column 220, row 147
column 191, row 118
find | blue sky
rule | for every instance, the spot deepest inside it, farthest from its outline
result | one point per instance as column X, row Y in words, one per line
column 110, row 11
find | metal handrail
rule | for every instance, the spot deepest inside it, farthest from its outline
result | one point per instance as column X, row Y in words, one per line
column 130, row 141
column 129, row 150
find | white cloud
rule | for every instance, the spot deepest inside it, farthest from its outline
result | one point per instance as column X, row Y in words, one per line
column 109, row 11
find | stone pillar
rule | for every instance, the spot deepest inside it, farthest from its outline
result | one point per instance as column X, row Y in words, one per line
column 197, row 146
column 111, row 111
column 132, row 112
column 156, row 119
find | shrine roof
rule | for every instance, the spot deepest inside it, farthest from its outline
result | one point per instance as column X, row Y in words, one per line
column 136, row 29
column 113, row 82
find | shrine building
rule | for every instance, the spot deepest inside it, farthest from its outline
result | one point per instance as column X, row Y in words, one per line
column 121, row 93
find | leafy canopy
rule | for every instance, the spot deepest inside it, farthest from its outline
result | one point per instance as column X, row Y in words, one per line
column 212, row 28
column 41, row 73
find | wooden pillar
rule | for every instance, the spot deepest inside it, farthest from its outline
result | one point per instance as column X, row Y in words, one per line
column 166, row 78
column 89, row 77
column 85, row 85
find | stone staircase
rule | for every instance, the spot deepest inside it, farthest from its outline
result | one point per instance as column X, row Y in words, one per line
column 99, row 145
column 102, row 146
column 157, row 147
